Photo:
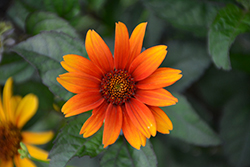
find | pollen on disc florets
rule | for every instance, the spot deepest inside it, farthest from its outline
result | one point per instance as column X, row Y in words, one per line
column 10, row 138
column 117, row 86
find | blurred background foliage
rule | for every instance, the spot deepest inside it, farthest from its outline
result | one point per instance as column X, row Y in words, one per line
column 208, row 40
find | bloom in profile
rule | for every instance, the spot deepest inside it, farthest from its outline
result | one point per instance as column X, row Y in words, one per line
column 15, row 111
column 124, row 90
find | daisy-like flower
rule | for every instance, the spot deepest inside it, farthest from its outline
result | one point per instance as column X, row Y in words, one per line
column 15, row 111
column 124, row 90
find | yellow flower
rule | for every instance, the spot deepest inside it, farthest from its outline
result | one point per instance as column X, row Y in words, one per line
column 15, row 111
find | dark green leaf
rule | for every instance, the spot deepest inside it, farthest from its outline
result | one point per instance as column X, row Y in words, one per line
column 67, row 9
column 14, row 66
column 245, row 3
column 69, row 143
column 192, row 15
column 217, row 86
column 229, row 22
column 121, row 154
column 44, row 21
column 191, row 58
column 45, row 52
column 18, row 14
column 241, row 62
column 188, row 126
column 64, row 8
column 235, row 130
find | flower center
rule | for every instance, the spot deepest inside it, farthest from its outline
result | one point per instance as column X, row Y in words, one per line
column 10, row 138
column 117, row 87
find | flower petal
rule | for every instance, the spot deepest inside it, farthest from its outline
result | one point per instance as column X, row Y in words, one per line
column 6, row 163
column 141, row 117
column 77, row 83
column 26, row 109
column 98, row 51
column 76, row 63
column 82, row 102
column 131, row 133
column 162, row 77
column 163, row 123
column 37, row 138
column 7, row 93
column 15, row 100
column 2, row 113
column 121, row 53
column 94, row 123
column 136, row 40
column 147, row 62
column 23, row 162
column 112, row 125
column 156, row 97
column 37, row 153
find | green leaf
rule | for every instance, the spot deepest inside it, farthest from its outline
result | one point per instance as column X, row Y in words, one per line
column 44, row 21
column 188, row 126
column 235, row 130
column 45, row 51
column 64, row 8
column 229, row 22
column 245, row 3
column 192, row 59
column 193, row 15
column 18, row 13
column 15, row 66
column 121, row 154
column 69, row 143
column 224, row 83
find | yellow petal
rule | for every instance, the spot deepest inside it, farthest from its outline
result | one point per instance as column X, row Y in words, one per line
column 6, row 163
column 37, row 152
column 7, row 93
column 2, row 115
column 23, row 162
column 37, row 137
column 15, row 100
column 26, row 109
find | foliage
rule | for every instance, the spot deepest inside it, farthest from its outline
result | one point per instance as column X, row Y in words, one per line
column 208, row 40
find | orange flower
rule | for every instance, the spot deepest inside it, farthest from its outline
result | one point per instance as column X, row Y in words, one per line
column 124, row 91
column 14, row 113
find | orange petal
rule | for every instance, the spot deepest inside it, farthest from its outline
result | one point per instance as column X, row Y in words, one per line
column 131, row 133
column 94, row 123
column 156, row 97
column 7, row 93
column 141, row 117
column 23, row 162
column 6, row 163
column 82, row 102
column 98, row 51
column 112, row 125
column 76, row 63
column 37, row 153
column 121, row 53
column 147, row 62
column 163, row 123
column 136, row 40
column 26, row 109
column 162, row 77
column 77, row 83
column 37, row 138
